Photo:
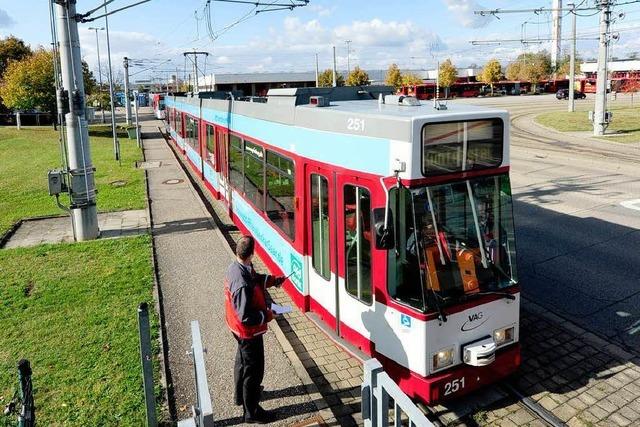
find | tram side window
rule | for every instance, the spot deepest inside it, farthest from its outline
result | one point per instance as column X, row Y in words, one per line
column 179, row 123
column 210, row 145
column 320, row 225
column 404, row 281
column 357, row 218
column 254, row 174
column 235, row 162
column 280, row 200
column 191, row 133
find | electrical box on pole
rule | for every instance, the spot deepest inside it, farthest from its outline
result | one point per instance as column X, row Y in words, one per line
column 71, row 104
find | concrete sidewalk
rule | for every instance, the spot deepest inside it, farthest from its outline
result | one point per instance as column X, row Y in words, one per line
column 192, row 260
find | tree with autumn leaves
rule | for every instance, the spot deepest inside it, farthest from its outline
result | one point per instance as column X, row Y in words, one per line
column 27, row 79
column 531, row 67
column 491, row 73
column 447, row 75
column 358, row 77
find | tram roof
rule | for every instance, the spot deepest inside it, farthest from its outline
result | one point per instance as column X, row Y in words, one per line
column 425, row 110
column 346, row 105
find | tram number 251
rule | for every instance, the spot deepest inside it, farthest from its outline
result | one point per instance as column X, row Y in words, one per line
column 356, row 125
column 453, row 386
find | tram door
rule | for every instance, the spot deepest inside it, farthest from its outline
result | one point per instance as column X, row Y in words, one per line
column 355, row 242
column 222, row 138
column 321, row 256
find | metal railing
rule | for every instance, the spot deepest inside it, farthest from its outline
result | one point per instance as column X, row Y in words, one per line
column 203, row 409
column 384, row 404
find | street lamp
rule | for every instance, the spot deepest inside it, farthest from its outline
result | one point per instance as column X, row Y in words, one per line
column 99, row 69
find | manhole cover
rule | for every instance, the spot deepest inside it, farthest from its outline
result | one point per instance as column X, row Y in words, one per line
column 118, row 183
column 173, row 181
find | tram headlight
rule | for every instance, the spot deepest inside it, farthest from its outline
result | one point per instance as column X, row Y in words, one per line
column 443, row 358
column 503, row 336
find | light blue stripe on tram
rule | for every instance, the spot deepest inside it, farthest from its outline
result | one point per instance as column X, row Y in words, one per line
column 361, row 153
column 194, row 157
column 211, row 176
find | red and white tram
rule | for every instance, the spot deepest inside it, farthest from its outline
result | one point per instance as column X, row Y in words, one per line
column 157, row 103
column 394, row 218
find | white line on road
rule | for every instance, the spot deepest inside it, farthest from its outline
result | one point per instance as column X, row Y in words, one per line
column 631, row 204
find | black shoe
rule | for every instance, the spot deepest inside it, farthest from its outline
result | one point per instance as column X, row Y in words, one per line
column 261, row 417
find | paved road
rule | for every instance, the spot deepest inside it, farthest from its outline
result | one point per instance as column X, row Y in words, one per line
column 578, row 245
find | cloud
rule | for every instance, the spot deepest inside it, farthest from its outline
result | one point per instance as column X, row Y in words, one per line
column 322, row 10
column 223, row 59
column 463, row 12
column 5, row 19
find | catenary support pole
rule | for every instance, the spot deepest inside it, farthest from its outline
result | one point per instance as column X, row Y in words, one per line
column 599, row 121
column 112, row 101
column 335, row 71
column 135, row 113
column 81, row 171
column 317, row 82
column 127, row 99
column 348, row 42
column 99, row 71
column 572, row 60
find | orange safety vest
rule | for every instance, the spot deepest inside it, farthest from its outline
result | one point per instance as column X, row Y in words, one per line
column 258, row 302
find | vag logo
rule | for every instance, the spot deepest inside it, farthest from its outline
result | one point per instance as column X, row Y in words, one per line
column 474, row 317
column 474, row 321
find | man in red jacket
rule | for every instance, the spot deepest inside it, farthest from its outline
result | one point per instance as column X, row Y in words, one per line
column 247, row 316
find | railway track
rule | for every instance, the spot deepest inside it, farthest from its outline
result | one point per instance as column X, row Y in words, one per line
column 551, row 144
column 511, row 396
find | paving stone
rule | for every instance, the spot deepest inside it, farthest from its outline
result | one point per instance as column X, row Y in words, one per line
column 618, row 420
column 521, row 417
column 607, row 405
column 565, row 412
column 629, row 413
column 597, row 412
column 578, row 404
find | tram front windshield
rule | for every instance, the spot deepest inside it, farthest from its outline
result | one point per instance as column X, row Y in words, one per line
column 452, row 240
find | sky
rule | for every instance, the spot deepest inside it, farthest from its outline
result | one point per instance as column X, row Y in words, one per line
column 412, row 33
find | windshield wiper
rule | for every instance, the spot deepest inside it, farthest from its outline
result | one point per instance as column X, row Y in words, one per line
column 420, row 251
column 506, row 295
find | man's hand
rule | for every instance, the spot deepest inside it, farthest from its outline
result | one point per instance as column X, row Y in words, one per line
column 278, row 281
column 269, row 317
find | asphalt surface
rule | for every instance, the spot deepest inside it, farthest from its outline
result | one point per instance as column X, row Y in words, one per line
column 192, row 260
column 578, row 236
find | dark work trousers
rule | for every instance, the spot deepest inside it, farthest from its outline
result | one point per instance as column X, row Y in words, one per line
column 248, row 373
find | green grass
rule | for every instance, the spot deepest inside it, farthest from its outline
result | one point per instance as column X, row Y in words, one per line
column 26, row 155
column 71, row 310
column 626, row 122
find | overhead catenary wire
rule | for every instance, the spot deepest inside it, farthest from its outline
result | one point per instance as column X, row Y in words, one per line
column 113, row 11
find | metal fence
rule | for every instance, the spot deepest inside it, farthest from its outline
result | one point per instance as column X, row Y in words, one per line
column 203, row 409
column 27, row 119
column 384, row 404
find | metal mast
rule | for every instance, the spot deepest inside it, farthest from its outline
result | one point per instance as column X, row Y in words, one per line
column 335, row 72
column 600, row 121
column 572, row 60
column 127, row 100
column 99, row 69
column 81, row 171
column 556, row 34
column 116, row 144
column 195, row 66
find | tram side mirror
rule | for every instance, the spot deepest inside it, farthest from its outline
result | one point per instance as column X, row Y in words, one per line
column 385, row 238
